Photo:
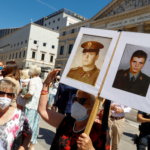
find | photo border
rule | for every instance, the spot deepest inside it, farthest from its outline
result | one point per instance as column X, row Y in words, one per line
column 93, row 32
column 120, row 96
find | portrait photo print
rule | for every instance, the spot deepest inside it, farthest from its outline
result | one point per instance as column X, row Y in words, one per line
column 88, row 59
column 133, row 74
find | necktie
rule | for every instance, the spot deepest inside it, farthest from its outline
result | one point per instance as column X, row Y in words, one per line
column 132, row 81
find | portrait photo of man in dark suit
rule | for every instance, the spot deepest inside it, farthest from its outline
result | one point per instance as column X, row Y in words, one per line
column 133, row 80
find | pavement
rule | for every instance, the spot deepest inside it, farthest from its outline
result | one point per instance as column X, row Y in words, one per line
column 47, row 133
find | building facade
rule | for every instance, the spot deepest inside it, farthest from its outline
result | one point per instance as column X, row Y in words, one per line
column 4, row 32
column 60, row 19
column 31, row 44
column 127, row 15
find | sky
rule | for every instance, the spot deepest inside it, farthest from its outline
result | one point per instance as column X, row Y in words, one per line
column 17, row 13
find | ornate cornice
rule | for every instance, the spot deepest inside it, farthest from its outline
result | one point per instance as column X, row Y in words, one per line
column 128, row 14
column 108, row 9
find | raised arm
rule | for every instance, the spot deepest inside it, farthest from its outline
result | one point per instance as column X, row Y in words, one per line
column 51, row 117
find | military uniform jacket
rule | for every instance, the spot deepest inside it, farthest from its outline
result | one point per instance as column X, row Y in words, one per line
column 139, row 87
column 89, row 77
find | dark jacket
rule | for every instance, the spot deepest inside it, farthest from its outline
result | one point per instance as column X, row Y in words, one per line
column 63, row 98
column 140, row 86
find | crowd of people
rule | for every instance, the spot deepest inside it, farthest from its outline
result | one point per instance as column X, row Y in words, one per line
column 24, row 98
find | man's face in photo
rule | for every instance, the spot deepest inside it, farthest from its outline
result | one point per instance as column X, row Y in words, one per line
column 136, row 64
column 89, row 58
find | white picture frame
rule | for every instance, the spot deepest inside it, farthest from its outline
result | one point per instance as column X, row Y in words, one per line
column 127, row 98
column 93, row 32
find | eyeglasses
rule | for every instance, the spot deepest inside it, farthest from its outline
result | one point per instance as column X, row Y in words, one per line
column 9, row 95
column 80, row 100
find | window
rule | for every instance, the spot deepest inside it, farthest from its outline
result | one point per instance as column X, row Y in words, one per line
column 42, row 57
column 20, row 55
column 49, row 23
column 14, row 45
column 24, row 53
column 51, row 58
column 35, row 42
column 18, row 44
column 45, row 25
column 16, row 55
column 61, row 50
column 53, row 46
column 70, row 48
column 58, row 27
column 21, row 42
column 10, row 56
column 25, row 41
column 13, row 56
column 72, row 31
column 64, row 33
column 53, row 21
column 58, row 19
column 33, row 55
column 44, row 44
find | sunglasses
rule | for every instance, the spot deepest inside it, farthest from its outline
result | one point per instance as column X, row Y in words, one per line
column 9, row 95
column 80, row 100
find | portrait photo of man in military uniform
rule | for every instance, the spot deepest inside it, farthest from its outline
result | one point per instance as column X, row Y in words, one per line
column 88, row 72
column 133, row 80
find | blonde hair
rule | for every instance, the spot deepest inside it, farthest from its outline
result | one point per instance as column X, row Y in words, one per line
column 92, row 98
column 34, row 70
column 24, row 74
column 7, row 85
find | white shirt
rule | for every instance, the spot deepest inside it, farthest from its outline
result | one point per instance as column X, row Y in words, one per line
column 22, row 81
column 126, row 109
column 1, row 77
column 35, row 88
column 55, row 87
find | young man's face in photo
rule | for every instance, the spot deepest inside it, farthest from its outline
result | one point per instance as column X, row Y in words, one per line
column 136, row 64
column 89, row 58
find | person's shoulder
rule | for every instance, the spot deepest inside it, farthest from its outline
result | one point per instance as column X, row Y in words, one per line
column 97, row 70
column 75, row 69
column 145, row 76
column 122, row 72
column 68, row 120
column 96, row 126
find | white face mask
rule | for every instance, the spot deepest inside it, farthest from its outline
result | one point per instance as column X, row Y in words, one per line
column 4, row 102
column 79, row 112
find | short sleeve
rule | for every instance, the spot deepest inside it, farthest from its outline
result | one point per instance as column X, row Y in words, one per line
column 26, row 129
column 140, row 112
column 32, row 86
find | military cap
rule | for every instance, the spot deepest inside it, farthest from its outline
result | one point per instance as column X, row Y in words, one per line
column 92, row 46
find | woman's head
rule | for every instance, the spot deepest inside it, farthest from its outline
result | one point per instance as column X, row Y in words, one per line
column 8, row 87
column 34, row 70
column 24, row 74
column 11, row 69
column 90, row 98
column 7, row 93
column 82, row 105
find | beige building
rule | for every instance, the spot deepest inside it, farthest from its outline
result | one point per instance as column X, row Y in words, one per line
column 127, row 15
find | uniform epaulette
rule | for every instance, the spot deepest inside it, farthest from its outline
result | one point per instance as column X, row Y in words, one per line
column 74, row 69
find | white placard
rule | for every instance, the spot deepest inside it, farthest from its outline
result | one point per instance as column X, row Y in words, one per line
column 129, row 43
column 105, row 37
